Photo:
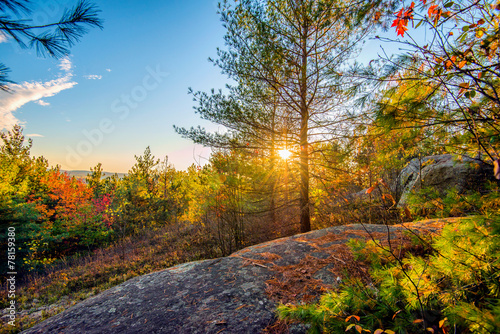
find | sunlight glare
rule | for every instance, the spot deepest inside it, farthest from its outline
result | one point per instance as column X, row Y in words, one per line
column 284, row 154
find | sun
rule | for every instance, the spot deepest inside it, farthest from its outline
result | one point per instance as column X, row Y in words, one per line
column 284, row 154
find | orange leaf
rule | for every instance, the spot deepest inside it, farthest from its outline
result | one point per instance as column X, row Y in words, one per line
column 389, row 197
column 383, row 183
column 434, row 11
column 352, row 316
column 496, row 171
column 431, row 10
column 369, row 190
column 418, row 321
column 359, row 329
column 395, row 314
column 402, row 19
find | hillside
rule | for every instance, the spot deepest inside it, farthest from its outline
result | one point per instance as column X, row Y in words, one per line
column 234, row 294
column 82, row 174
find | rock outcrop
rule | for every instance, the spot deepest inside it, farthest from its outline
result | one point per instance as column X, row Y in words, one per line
column 235, row 294
column 442, row 172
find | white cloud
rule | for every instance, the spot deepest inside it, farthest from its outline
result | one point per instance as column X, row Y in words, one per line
column 34, row 135
column 108, row 69
column 42, row 103
column 31, row 91
column 65, row 64
column 3, row 38
column 93, row 77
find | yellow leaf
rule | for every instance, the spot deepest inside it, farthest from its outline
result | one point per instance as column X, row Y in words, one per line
column 430, row 330
column 441, row 322
column 359, row 329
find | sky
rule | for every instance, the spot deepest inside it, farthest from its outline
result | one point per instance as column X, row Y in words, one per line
column 122, row 88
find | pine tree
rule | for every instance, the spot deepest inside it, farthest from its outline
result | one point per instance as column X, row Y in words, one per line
column 287, row 58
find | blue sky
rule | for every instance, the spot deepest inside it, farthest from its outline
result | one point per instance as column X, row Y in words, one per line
column 122, row 88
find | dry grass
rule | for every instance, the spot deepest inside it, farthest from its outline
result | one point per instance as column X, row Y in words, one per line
column 41, row 296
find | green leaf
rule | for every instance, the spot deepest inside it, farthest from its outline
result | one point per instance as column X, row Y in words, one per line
column 449, row 4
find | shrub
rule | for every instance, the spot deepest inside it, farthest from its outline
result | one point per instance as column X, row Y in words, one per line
column 453, row 286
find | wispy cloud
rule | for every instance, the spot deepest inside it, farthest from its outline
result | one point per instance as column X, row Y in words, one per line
column 108, row 69
column 93, row 77
column 3, row 38
column 65, row 65
column 42, row 103
column 34, row 135
column 32, row 91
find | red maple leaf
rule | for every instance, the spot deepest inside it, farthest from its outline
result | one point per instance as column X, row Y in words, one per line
column 402, row 19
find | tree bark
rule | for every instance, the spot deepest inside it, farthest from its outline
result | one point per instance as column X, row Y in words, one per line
column 305, row 220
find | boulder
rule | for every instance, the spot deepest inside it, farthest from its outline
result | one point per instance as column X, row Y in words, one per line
column 442, row 172
column 234, row 294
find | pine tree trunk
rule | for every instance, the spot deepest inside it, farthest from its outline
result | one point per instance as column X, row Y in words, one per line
column 272, row 205
column 305, row 220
